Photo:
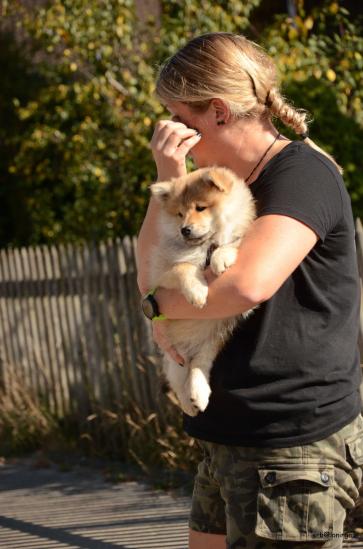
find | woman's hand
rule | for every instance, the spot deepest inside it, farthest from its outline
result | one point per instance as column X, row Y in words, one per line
column 160, row 337
column 170, row 144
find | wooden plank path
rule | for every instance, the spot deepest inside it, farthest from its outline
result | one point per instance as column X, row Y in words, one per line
column 49, row 509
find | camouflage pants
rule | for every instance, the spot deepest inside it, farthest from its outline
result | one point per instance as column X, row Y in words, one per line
column 264, row 498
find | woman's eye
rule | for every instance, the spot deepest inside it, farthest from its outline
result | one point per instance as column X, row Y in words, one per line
column 200, row 208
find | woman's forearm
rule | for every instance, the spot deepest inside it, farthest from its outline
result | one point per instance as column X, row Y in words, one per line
column 146, row 238
column 171, row 142
column 225, row 299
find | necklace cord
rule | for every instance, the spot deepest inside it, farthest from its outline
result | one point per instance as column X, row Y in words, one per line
column 263, row 156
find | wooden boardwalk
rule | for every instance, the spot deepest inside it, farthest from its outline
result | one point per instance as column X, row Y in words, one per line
column 50, row 509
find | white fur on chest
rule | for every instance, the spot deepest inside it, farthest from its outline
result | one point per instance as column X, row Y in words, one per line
column 199, row 341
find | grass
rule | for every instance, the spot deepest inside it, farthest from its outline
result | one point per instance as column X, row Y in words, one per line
column 127, row 443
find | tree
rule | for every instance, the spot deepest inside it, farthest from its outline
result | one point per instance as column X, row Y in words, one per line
column 78, row 109
column 320, row 60
column 81, row 148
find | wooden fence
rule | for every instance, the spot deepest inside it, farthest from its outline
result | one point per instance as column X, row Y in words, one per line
column 71, row 329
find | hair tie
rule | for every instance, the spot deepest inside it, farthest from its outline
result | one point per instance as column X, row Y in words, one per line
column 304, row 135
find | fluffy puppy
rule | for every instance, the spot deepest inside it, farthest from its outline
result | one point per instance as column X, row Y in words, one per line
column 203, row 218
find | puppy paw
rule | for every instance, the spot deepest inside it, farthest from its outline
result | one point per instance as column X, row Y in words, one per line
column 199, row 391
column 222, row 258
column 188, row 406
column 196, row 393
column 196, row 295
column 190, row 409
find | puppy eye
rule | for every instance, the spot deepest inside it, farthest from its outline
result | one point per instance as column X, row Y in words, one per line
column 200, row 208
column 180, row 214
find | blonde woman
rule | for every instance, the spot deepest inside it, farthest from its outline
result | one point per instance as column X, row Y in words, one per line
column 282, row 435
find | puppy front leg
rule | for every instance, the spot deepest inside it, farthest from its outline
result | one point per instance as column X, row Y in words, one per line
column 189, row 280
column 222, row 258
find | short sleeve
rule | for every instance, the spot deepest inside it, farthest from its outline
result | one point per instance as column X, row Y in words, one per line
column 302, row 185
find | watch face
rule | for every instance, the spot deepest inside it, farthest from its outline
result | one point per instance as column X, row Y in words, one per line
column 147, row 308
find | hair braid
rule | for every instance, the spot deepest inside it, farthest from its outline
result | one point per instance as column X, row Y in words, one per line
column 297, row 119
column 279, row 107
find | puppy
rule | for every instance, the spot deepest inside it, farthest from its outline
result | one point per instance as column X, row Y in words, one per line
column 203, row 218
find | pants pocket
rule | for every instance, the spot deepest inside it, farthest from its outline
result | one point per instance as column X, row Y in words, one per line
column 354, row 450
column 295, row 502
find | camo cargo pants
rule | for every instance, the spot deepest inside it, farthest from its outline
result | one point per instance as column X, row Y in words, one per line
column 264, row 498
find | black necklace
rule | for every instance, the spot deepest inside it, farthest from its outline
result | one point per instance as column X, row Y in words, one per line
column 263, row 156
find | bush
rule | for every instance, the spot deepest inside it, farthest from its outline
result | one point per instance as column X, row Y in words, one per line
column 78, row 109
column 320, row 58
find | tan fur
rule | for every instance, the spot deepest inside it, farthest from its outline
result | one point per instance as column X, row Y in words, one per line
column 178, row 261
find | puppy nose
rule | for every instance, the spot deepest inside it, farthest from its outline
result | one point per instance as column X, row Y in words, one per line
column 186, row 231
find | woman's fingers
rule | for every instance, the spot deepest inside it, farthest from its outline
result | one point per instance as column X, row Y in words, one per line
column 163, row 130
column 170, row 130
column 187, row 144
column 160, row 337
column 170, row 145
column 175, row 356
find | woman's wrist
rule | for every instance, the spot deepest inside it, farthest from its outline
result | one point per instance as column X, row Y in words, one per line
column 164, row 174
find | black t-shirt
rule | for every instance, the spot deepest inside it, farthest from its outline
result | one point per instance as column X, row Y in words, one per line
column 290, row 373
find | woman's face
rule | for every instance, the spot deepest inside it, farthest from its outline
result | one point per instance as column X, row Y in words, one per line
column 205, row 123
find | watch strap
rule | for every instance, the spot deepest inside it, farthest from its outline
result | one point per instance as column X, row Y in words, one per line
column 150, row 294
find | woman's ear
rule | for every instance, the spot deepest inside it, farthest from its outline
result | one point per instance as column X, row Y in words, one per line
column 221, row 110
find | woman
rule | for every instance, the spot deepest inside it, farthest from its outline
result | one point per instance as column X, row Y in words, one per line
column 282, row 435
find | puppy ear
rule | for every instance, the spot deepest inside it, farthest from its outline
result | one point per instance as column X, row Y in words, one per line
column 161, row 190
column 220, row 178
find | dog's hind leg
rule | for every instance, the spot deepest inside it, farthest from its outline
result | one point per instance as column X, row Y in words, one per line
column 197, row 388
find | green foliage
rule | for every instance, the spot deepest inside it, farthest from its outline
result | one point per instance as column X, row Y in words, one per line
column 181, row 21
column 80, row 155
column 320, row 58
column 82, row 134
column 78, row 111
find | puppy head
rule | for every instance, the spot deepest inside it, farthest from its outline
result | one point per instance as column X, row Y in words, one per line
column 193, row 203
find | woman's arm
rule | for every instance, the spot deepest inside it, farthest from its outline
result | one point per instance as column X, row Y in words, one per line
column 170, row 143
column 147, row 237
column 271, row 250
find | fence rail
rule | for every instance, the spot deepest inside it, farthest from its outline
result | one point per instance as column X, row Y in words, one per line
column 71, row 327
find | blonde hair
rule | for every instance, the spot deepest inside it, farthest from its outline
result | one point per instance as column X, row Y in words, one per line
column 232, row 68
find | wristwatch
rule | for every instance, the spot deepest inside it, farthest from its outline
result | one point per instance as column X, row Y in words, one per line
column 150, row 306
